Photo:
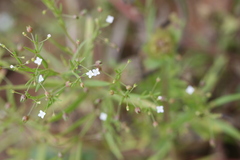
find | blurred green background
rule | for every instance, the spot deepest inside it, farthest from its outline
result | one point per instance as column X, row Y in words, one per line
column 172, row 44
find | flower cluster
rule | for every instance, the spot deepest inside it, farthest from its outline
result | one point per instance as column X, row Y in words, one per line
column 93, row 72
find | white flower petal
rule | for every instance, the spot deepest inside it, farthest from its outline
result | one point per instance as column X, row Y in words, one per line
column 103, row 116
column 41, row 114
column 160, row 109
column 38, row 61
column 160, row 98
column 90, row 74
column 40, row 79
column 190, row 90
column 109, row 19
column 12, row 66
column 95, row 72
column 49, row 35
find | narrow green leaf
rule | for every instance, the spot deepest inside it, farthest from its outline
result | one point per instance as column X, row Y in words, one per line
column 225, row 99
column 69, row 109
column 30, row 50
column 227, row 128
column 113, row 146
column 76, row 124
column 96, row 83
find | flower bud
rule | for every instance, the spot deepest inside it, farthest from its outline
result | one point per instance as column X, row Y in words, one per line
column 155, row 124
column 98, row 101
column 158, row 79
column 99, row 9
column 67, row 84
column 29, row 29
column 7, row 105
column 47, row 94
column 78, row 42
column 127, row 108
column 82, row 84
column 98, row 63
column 137, row 110
column 25, row 118
column 23, row 98
column 75, row 17
column 20, row 48
column 106, row 40
column 128, row 87
column 112, row 92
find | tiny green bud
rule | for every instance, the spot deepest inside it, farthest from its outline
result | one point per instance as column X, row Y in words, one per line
column 127, row 108
column 23, row 33
column 44, row 12
column 38, row 102
column 2, row 45
column 112, row 92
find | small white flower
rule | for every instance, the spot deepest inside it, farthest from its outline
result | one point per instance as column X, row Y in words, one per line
column 103, row 116
column 38, row 61
column 49, row 36
column 95, row 72
column 160, row 109
column 190, row 90
column 12, row 66
column 160, row 98
column 109, row 19
column 90, row 74
column 41, row 114
column 40, row 79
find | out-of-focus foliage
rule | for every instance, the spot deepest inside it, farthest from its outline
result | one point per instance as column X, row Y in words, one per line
column 155, row 55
